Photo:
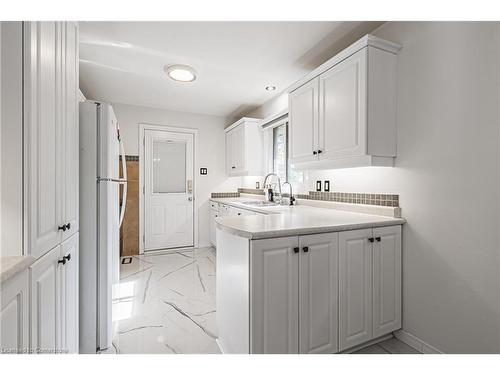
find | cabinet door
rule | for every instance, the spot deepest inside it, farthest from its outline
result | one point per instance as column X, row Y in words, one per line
column 318, row 293
column 230, row 162
column 342, row 109
column 14, row 314
column 386, row 280
column 69, row 129
column 303, row 104
column 274, row 296
column 69, row 295
column 42, row 111
column 355, row 288
column 45, row 280
column 213, row 227
column 239, row 148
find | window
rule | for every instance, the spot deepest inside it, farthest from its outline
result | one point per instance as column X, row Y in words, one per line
column 280, row 162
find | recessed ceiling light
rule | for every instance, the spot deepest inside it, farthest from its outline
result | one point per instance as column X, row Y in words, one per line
column 270, row 88
column 181, row 73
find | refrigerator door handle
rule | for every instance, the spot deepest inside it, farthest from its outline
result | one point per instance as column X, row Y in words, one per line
column 124, row 183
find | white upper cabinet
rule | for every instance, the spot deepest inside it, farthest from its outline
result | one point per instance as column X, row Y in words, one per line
column 244, row 148
column 51, row 133
column 43, row 134
column 342, row 109
column 70, row 130
column 343, row 114
column 304, row 116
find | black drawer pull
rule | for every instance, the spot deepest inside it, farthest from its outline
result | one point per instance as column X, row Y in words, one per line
column 378, row 239
column 305, row 249
column 315, row 152
column 319, row 151
column 67, row 257
column 371, row 239
column 68, row 226
column 295, row 250
column 63, row 261
column 63, row 228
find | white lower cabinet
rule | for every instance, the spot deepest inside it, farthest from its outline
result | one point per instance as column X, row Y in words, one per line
column 69, row 293
column 14, row 314
column 355, row 288
column 213, row 227
column 318, row 293
column 369, row 284
column 324, row 293
column 274, row 294
column 54, row 300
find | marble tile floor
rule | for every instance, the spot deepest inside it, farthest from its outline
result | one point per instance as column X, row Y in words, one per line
column 165, row 304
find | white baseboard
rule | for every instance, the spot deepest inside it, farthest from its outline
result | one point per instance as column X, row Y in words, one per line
column 416, row 343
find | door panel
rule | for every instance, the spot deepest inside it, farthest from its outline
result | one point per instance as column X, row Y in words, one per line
column 303, row 104
column 386, row 280
column 355, row 288
column 70, row 128
column 14, row 314
column 274, row 296
column 45, row 279
column 169, row 209
column 69, row 295
column 318, row 293
column 342, row 108
column 43, row 135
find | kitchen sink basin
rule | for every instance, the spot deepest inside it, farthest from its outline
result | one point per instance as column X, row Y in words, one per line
column 260, row 203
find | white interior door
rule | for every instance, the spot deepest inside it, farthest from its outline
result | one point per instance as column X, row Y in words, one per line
column 168, row 190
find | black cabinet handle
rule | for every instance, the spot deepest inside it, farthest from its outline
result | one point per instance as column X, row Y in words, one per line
column 63, row 228
column 305, row 249
column 378, row 239
column 68, row 226
column 315, row 152
column 233, row 167
column 295, row 250
column 371, row 239
column 63, row 261
column 67, row 257
column 319, row 151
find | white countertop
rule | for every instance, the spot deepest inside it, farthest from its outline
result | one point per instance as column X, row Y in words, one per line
column 283, row 221
column 12, row 265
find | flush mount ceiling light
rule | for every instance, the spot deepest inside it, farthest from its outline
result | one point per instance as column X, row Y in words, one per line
column 181, row 73
column 270, row 88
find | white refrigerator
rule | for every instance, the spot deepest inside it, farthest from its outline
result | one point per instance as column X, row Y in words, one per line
column 101, row 216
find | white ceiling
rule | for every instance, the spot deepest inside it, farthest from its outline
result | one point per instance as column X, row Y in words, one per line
column 123, row 61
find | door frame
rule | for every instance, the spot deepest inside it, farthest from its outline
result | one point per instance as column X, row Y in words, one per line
column 171, row 129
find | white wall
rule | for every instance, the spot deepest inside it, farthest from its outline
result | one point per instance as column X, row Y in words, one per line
column 447, row 176
column 211, row 150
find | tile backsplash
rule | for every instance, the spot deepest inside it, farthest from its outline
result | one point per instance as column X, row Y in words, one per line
column 387, row 200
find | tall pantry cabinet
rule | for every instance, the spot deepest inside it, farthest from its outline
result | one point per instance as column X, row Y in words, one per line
column 51, row 182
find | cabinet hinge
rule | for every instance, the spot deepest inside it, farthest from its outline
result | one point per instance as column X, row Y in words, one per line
column 143, row 190
column 143, row 238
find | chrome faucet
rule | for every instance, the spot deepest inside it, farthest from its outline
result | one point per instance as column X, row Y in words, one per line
column 291, row 199
column 269, row 190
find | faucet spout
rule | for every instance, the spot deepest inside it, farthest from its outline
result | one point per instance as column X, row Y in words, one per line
column 270, row 195
column 291, row 199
